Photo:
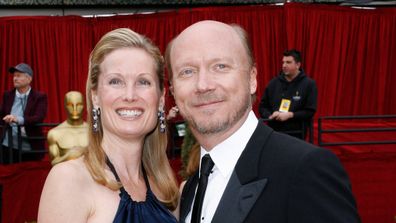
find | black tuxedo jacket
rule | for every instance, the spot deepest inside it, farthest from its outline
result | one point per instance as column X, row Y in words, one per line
column 35, row 112
column 281, row 179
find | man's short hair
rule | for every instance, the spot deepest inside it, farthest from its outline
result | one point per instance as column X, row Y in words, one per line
column 293, row 53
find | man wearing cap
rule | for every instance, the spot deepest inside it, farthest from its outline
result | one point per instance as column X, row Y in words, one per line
column 22, row 106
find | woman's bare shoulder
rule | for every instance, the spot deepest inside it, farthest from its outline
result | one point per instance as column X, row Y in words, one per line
column 66, row 191
column 70, row 170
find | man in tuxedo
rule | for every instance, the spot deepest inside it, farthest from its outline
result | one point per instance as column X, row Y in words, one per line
column 250, row 172
column 22, row 106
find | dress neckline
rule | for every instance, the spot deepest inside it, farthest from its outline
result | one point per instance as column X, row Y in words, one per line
column 149, row 211
column 122, row 189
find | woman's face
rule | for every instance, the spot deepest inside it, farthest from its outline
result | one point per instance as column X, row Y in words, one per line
column 128, row 93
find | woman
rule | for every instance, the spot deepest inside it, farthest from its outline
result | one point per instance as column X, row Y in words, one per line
column 124, row 175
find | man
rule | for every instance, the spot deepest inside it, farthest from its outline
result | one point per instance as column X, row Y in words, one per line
column 67, row 140
column 22, row 106
column 258, row 175
column 289, row 100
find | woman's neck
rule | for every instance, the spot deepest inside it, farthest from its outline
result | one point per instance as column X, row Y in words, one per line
column 126, row 156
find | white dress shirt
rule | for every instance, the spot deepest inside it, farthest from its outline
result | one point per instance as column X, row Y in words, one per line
column 225, row 156
column 23, row 97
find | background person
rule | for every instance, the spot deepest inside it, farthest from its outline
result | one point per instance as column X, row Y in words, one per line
column 187, row 154
column 124, row 173
column 22, row 106
column 172, row 113
column 290, row 99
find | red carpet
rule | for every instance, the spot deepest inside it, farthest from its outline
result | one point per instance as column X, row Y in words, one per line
column 373, row 177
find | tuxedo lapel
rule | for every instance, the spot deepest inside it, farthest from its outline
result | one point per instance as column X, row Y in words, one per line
column 187, row 196
column 244, row 186
column 237, row 200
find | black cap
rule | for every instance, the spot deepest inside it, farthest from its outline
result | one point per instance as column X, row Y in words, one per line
column 22, row 67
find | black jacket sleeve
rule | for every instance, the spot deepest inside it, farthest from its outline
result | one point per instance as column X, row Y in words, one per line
column 321, row 191
column 265, row 109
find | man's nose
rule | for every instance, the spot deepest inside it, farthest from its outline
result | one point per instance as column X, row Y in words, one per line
column 205, row 81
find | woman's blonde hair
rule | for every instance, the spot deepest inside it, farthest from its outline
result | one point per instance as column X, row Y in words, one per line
column 154, row 157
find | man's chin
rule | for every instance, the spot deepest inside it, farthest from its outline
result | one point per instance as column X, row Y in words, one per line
column 206, row 126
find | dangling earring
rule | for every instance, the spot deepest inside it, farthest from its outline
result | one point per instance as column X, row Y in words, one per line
column 161, row 116
column 95, row 119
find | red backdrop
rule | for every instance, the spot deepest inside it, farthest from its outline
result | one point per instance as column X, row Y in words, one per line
column 349, row 52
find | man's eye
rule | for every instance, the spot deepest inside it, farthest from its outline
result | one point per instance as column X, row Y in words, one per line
column 186, row 72
column 221, row 66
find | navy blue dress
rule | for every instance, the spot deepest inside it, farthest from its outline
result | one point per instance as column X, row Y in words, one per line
column 149, row 211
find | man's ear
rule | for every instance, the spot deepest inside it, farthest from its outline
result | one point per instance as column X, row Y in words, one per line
column 253, row 80
column 29, row 78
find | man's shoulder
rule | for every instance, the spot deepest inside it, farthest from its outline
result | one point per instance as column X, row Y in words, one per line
column 37, row 93
column 276, row 152
column 38, row 96
column 306, row 78
column 309, row 80
column 283, row 139
column 275, row 81
column 283, row 146
column 9, row 92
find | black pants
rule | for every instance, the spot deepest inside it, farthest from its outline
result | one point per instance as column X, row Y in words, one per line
column 9, row 156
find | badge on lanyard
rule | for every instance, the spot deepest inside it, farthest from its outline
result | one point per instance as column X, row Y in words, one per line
column 285, row 105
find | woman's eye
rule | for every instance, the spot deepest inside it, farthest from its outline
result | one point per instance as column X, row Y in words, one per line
column 115, row 82
column 144, row 82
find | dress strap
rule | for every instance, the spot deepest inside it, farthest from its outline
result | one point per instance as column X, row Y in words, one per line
column 146, row 179
column 111, row 166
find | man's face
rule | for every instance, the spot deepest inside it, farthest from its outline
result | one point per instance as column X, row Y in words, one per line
column 21, row 80
column 212, row 82
column 289, row 66
column 74, row 105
